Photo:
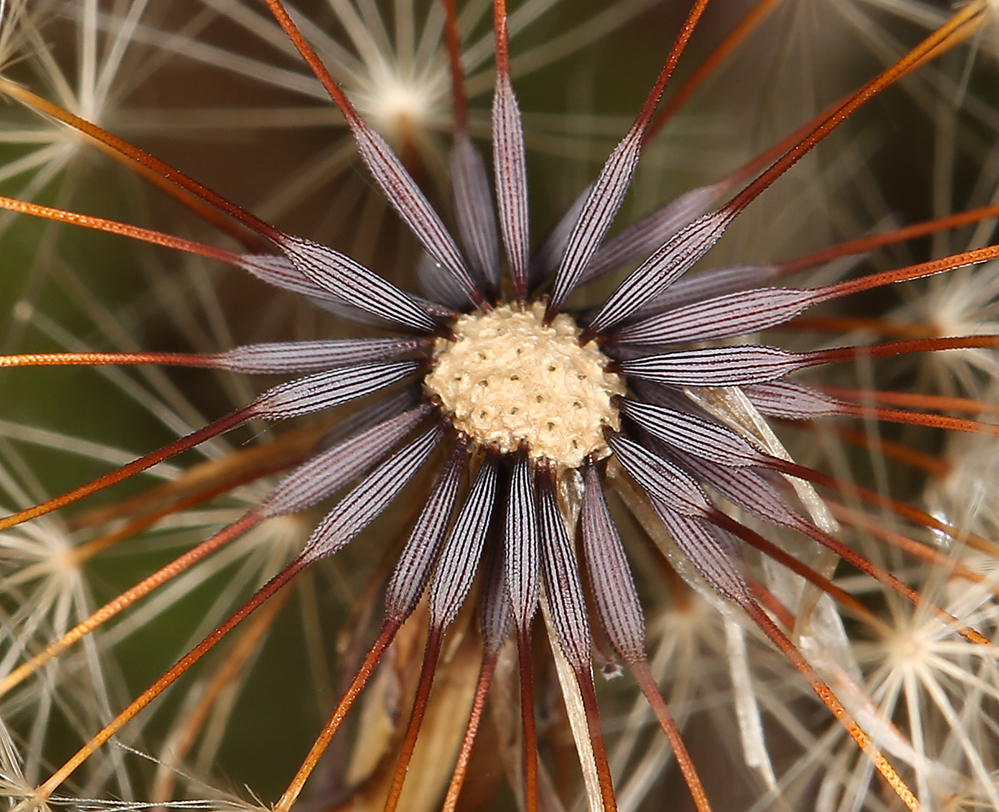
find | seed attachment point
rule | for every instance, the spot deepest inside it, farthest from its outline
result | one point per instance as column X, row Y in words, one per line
column 508, row 377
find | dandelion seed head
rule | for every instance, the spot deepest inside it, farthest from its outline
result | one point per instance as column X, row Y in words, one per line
column 400, row 105
column 507, row 378
column 908, row 646
column 284, row 534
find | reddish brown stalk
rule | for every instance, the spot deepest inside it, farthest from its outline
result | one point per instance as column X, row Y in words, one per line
column 771, row 604
column 936, row 421
column 122, row 229
column 212, row 216
column 459, row 101
column 131, row 469
column 530, row 736
column 237, row 657
column 430, row 657
column 374, row 655
column 584, row 679
column 652, row 100
column 209, row 477
column 772, row 153
column 96, row 545
column 946, row 36
column 858, row 561
column 874, row 241
column 263, row 594
column 501, row 37
column 840, row 325
column 900, row 508
column 640, row 668
column 315, row 63
column 835, row 706
column 841, row 354
column 141, row 157
column 106, row 359
column 733, row 40
column 935, row 466
column 471, row 730
column 917, row 549
column 845, row 599
column 190, row 201
column 130, row 596
column 913, row 399
column 917, row 271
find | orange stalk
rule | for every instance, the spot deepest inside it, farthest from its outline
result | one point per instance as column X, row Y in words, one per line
column 471, row 730
column 829, row 699
column 237, row 657
column 733, row 40
column 935, row 466
column 459, row 101
column 130, row 596
column 874, row 241
column 818, row 580
column 106, row 359
column 530, row 736
column 913, row 399
column 957, row 28
column 885, row 503
column 917, row 549
column 430, row 657
column 640, row 668
column 333, row 725
column 121, row 229
column 588, row 694
column 131, row 469
column 172, row 675
column 139, row 156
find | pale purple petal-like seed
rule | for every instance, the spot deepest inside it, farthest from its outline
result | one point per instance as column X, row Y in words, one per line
column 717, row 366
column 709, row 284
column 724, row 317
column 383, row 409
column 330, row 470
column 307, row 356
column 714, row 554
column 495, row 618
column 356, row 285
column 611, row 582
column 370, row 497
column 473, row 208
column 548, row 256
column 459, row 560
column 598, row 212
column 660, row 270
column 412, row 205
column 520, row 542
column 561, row 575
column 438, row 284
column 650, row 232
column 331, row 388
column 281, row 272
column 416, row 562
column 511, row 180
column 748, row 490
column 791, row 401
column 692, row 434
column 661, row 480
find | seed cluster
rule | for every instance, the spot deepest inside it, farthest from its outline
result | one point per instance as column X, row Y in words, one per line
column 507, row 377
